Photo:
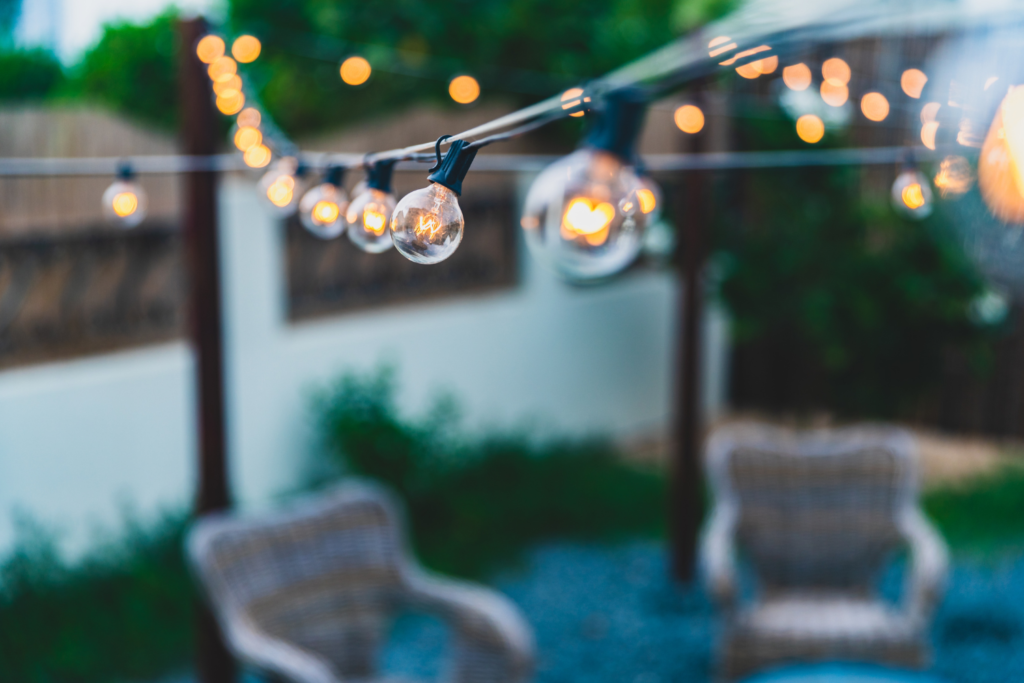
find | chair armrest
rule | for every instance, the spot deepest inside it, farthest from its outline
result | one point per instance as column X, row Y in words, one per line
column 718, row 557
column 493, row 642
column 273, row 655
column 926, row 581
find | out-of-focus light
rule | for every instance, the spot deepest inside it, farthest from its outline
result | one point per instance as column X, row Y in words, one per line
column 124, row 202
column 874, row 106
column 748, row 71
column 810, row 128
column 250, row 117
column 797, row 77
column 247, row 137
column 355, row 71
column 573, row 98
column 768, row 65
column 246, row 48
column 912, row 81
column 281, row 191
column 911, row 195
column 930, row 112
column 928, row 132
column 955, row 176
column 257, row 156
column 834, row 95
column 990, row 80
column 835, row 71
column 222, row 69
column 746, row 53
column 689, row 118
column 231, row 102
column 1000, row 177
column 464, row 89
column 322, row 209
column 233, row 83
column 720, row 45
column 210, row 48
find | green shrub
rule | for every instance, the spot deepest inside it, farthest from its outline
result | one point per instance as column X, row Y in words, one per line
column 29, row 75
column 473, row 503
column 981, row 515
column 124, row 612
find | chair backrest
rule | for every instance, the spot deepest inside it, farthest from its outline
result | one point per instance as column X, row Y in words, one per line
column 817, row 509
column 324, row 576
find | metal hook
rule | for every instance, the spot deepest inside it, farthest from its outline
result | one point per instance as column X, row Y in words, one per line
column 437, row 151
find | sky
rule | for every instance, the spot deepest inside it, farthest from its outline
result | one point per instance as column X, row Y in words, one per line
column 71, row 26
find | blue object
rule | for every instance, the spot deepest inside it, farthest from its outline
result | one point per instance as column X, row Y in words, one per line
column 841, row 673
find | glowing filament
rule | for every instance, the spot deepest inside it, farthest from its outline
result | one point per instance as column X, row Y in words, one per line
column 324, row 212
column 373, row 221
column 913, row 196
column 125, row 204
column 587, row 217
column 646, row 199
column 428, row 225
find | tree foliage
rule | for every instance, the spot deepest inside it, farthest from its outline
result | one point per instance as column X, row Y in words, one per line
column 32, row 74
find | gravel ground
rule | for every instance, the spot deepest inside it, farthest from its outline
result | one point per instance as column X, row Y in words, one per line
column 609, row 614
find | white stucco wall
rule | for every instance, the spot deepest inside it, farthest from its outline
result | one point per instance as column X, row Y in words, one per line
column 80, row 438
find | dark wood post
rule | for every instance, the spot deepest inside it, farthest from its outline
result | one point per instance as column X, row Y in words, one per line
column 685, row 471
column 199, row 223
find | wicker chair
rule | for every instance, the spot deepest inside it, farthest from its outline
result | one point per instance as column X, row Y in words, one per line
column 816, row 516
column 306, row 595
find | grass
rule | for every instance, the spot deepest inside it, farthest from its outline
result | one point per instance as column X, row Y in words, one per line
column 981, row 515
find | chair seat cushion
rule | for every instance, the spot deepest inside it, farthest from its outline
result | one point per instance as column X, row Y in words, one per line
column 825, row 618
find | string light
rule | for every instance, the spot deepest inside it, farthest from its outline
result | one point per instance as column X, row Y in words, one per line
column 574, row 99
column 124, row 202
column 427, row 225
column 322, row 209
column 210, row 48
column 955, row 176
column 257, row 156
column 689, row 118
column 720, row 45
column 912, row 81
column 464, row 89
column 583, row 214
column 930, row 112
column 250, row 116
column 810, row 128
column 222, row 69
column 279, row 186
column 232, row 84
column 874, row 106
column 246, row 49
column 1000, row 176
column 230, row 102
column 648, row 196
column 928, row 132
column 797, row 77
column 834, row 95
column 247, row 137
column 355, row 71
column 911, row 194
column 369, row 214
column 836, row 72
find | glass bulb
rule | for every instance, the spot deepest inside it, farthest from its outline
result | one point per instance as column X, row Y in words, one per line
column 124, row 203
column 583, row 215
column 912, row 195
column 427, row 224
column 322, row 211
column 649, row 199
column 279, row 188
column 369, row 216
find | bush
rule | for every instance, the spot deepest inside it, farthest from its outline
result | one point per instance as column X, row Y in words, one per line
column 124, row 612
column 474, row 503
column 29, row 75
column 981, row 515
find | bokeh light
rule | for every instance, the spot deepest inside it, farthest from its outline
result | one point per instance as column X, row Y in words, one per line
column 768, row 65
column 797, row 77
column 222, row 69
column 210, row 48
column 720, row 45
column 689, row 118
column 835, row 71
column 874, row 106
column 999, row 166
column 250, row 116
column 257, row 156
column 748, row 71
column 810, row 128
column 125, row 204
column 355, row 71
column 912, row 81
column 233, row 83
column 834, row 95
column 928, row 132
column 247, row 137
column 246, row 48
column 930, row 112
column 955, row 176
column 230, row 102
column 571, row 98
column 464, row 89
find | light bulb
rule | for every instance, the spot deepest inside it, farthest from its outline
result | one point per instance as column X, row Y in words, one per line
column 912, row 195
column 583, row 215
column 427, row 225
column 124, row 202
column 1000, row 165
column 279, row 187
column 369, row 217
column 322, row 210
column 649, row 200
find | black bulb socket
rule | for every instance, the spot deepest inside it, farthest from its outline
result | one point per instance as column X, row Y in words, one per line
column 618, row 123
column 378, row 175
column 452, row 170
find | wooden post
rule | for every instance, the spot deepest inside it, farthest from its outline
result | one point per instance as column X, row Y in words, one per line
column 199, row 223
column 685, row 471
